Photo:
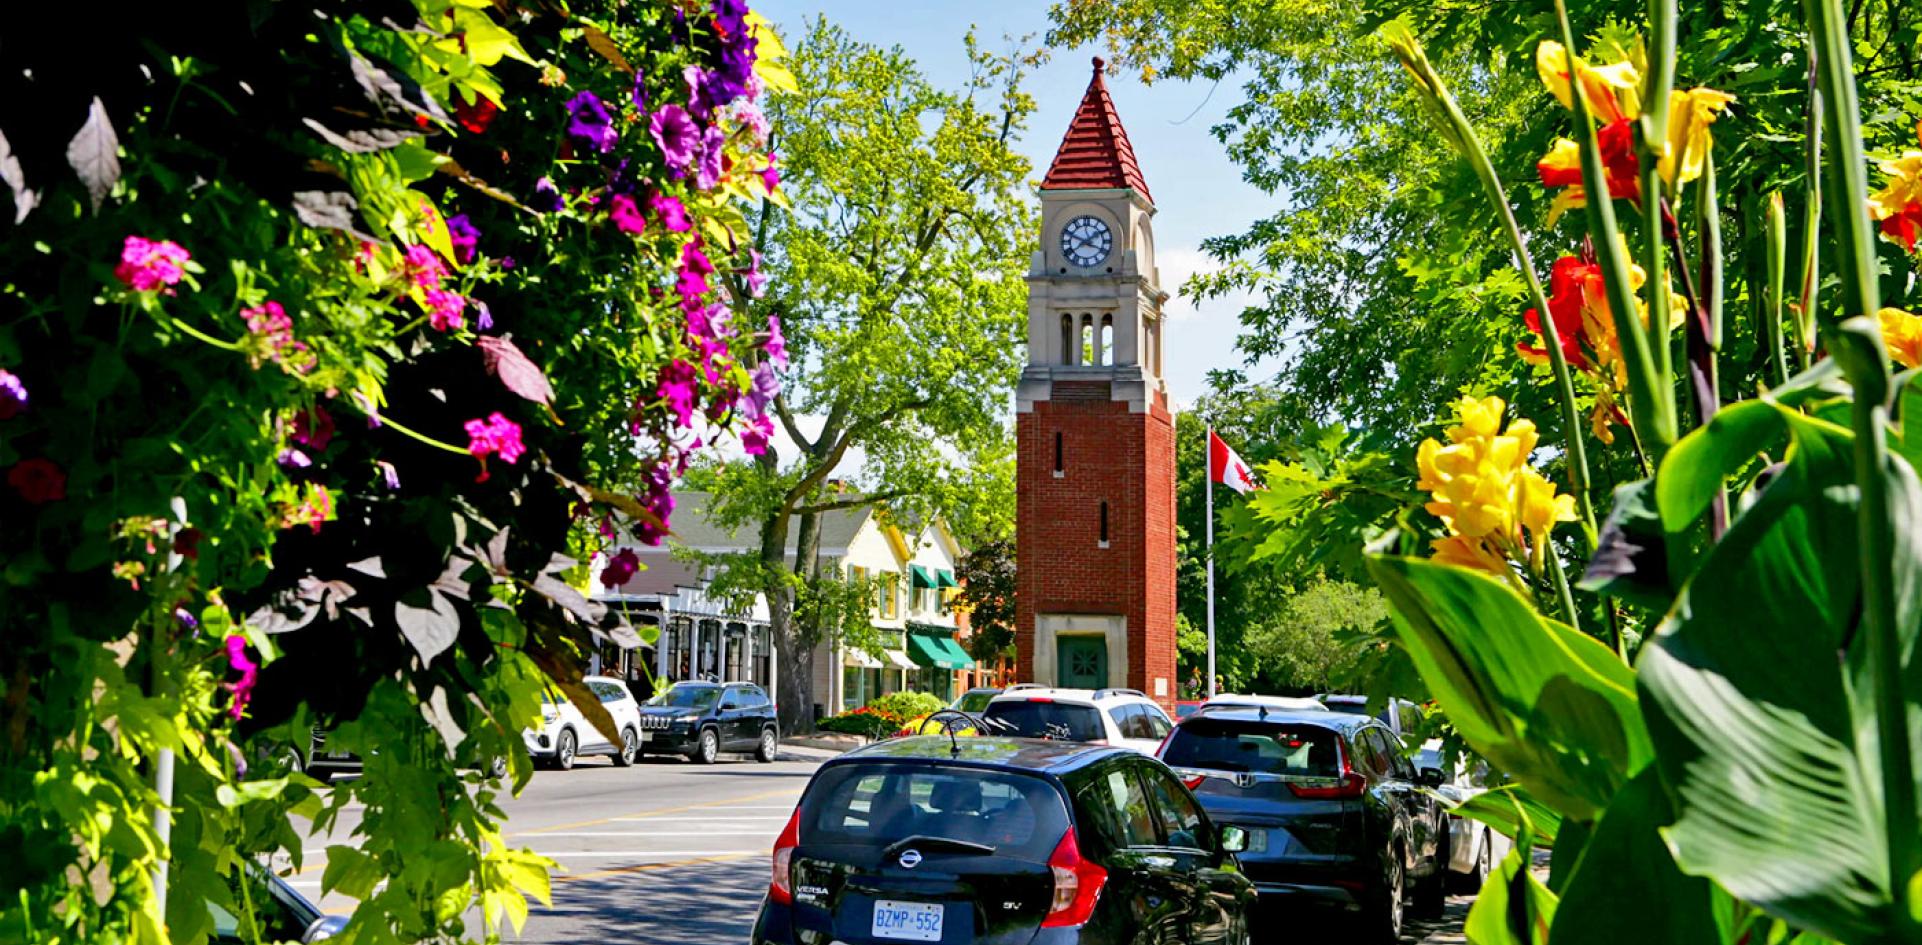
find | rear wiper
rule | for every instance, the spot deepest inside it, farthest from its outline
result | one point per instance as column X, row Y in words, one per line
column 923, row 840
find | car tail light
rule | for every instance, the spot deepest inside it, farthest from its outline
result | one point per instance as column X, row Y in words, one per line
column 781, row 886
column 1077, row 884
column 1350, row 785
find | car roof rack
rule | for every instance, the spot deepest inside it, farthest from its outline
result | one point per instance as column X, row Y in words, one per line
column 1118, row 691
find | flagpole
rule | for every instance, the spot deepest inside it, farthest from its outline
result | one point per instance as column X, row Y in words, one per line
column 1210, row 491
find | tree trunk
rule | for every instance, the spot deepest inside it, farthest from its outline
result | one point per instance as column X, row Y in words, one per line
column 793, row 662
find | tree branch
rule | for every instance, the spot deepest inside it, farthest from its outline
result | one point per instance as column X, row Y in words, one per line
column 852, row 502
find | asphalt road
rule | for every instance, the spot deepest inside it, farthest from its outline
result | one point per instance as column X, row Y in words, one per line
column 672, row 853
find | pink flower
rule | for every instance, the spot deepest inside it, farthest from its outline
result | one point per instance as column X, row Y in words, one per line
column 423, row 266
column 755, row 438
column 315, row 509
column 671, row 212
column 626, row 215
column 38, row 480
column 13, row 395
column 444, row 309
column 240, row 662
column 755, row 279
column 695, row 268
column 147, row 265
column 495, row 435
column 620, row 568
column 676, row 386
column 272, row 332
column 770, row 177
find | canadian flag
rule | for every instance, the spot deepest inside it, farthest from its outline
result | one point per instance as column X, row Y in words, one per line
column 1227, row 468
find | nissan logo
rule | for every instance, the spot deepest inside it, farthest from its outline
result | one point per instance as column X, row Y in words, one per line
column 910, row 859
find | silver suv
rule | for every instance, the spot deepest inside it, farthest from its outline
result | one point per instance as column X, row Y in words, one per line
column 1121, row 717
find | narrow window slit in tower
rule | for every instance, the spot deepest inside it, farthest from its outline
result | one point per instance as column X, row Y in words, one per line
column 1104, row 526
column 1059, row 470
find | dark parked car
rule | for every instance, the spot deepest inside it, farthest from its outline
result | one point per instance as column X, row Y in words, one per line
column 1334, row 812
column 1000, row 841
column 699, row 720
column 281, row 914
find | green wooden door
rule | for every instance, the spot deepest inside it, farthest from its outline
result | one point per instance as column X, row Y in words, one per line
column 1082, row 662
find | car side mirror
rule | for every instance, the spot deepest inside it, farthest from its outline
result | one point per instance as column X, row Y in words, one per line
column 325, row 927
column 1429, row 777
column 1233, row 839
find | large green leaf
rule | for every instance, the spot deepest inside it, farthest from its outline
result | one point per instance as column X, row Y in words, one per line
column 1626, row 862
column 1766, row 742
column 1514, row 908
column 1540, row 700
column 1504, row 809
column 1693, row 472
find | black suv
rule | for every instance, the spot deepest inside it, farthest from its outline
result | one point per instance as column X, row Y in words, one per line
column 699, row 720
column 1000, row 841
column 1333, row 810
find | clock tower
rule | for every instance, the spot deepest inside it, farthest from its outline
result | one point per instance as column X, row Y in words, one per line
column 1095, row 534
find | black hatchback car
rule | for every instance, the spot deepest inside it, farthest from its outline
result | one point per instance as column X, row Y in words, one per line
column 1333, row 811
column 1002, row 841
column 700, row 720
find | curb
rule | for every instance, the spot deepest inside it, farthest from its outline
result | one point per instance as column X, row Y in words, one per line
column 835, row 744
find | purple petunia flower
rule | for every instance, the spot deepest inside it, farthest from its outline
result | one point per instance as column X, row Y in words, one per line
column 589, row 124
column 702, row 98
column 670, row 211
column 483, row 316
column 679, row 139
column 676, row 386
column 186, row 618
column 659, row 500
column 754, row 439
column 243, row 689
column 639, row 93
column 547, row 197
column 620, row 568
column 695, row 268
column 13, row 395
column 388, row 474
column 707, row 169
column 626, row 215
column 763, row 386
column 465, row 236
column 756, row 280
column 293, row 459
column 770, row 175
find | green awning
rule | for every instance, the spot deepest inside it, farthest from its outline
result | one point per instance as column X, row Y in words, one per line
column 930, row 649
column 922, row 577
column 945, row 579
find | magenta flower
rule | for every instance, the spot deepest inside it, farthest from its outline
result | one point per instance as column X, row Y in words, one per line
column 755, row 279
column 776, row 344
column 674, row 131
column 708, row 169
column 293, row 459
column 13, row 395
column 496, row 435
column 677, row 386
column 700, row 98
column 620, row 568
column 313, row 428
column 626, row 215
column 147, row 265
column 638, row 94
column 755, row 438
column 589, row 124
column 240, row 662
column 770, row 176
column 692, row 284
column 658, row 499
column 465, row 236
column 445, row 309
column 670, row 211
column 423, row 266
column 763, row 386
column 313, row 511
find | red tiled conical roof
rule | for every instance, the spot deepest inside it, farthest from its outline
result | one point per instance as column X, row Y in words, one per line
column 1095, row 152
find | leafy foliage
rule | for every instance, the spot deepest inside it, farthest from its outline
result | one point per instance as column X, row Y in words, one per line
column 987, row 577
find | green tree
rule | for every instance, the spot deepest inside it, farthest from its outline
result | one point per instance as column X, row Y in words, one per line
column 899, row 270
column 987, row 592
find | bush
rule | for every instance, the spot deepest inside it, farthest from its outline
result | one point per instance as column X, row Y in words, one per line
column 864, row 722
column 904, row 706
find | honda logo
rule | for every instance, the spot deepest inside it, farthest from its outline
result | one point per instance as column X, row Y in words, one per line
column 1244, row 779
column 910, row 859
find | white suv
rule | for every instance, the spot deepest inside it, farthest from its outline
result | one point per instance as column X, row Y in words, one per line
column 565, row 734
column 1122, row 717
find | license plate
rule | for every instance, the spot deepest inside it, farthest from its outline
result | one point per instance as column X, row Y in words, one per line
column 910, row 921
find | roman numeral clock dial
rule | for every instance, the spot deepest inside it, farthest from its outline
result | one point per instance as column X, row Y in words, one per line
column 1085, row 241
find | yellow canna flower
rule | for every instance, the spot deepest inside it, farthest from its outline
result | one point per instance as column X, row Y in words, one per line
column 1479, row 418
column 1612, row 92
column 1473, row 554
column 1689, row 115
column 1902, row 332
column 1898, row 205
column 1541, row 508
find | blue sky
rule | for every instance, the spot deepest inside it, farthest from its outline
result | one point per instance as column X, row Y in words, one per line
column 1198, row 191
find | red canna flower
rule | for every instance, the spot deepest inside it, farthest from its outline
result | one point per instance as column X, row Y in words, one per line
column 1565, row 299
column 38, row 480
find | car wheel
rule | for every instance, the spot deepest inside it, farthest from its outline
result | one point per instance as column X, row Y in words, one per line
column 564, row 748
column 290, row 760
column 630, row 746
column 709, row 750
column 1384, row 918
column 770, row 744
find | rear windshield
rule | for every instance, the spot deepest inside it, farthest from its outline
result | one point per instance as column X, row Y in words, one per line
column 1348, row 708
column 975, row 701
column 1029, row 719
column 1256, row 747
column 687, row 697
column 877, row 804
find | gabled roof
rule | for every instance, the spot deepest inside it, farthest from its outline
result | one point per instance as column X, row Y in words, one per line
column 1095, row 153
column 693, row 528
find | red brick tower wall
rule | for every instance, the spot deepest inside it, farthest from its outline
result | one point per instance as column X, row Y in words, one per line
column 1128, row 460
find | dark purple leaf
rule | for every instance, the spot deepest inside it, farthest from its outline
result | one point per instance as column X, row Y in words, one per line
column 362, row 140
column 328, row 210
column 389, row 93
column 94, row 154
column 430, row 628
column 516, row 372
column 567, row 598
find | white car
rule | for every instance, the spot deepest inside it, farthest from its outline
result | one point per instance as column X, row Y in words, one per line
column 1276, row 703
column 1122, row 717
column 565, row 734
column 1473, row 847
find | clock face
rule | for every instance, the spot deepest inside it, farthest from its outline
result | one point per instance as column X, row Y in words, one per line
column 1085, row 241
